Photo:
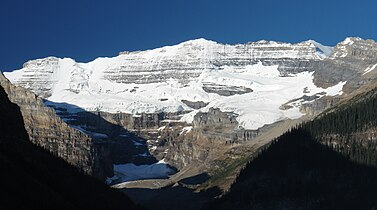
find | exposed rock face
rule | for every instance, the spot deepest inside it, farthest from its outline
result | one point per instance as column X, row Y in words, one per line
column 160, row 80
column 147, row 92
column 222, row 126
column 349, row 62
column 225, row 90
column 184, row 62
column 135, row 123
column 33, row 178
column 212, row 134
column 188, row 59
column 50, row 132
column 316, row 107
column 195, row 104
column 179, row 143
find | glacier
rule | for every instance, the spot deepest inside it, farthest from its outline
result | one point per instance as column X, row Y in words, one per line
column 158, row 80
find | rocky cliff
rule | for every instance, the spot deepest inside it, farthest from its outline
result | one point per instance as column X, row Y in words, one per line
column 199, row 102
column 47, row 130
column 33, row 178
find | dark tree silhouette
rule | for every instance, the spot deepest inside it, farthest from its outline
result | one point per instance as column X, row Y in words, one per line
column 327, row 163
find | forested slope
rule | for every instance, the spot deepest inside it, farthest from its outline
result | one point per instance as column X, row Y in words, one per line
column 328, row 163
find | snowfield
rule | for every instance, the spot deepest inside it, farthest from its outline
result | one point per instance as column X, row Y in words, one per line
column 130, row 172
column 87, row 85
column 270, row 91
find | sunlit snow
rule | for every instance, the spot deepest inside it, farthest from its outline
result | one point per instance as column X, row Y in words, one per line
column 129, row 172
column 370, row 68
column 85, row 86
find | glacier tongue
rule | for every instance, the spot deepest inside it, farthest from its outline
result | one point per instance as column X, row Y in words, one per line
column 244, row 79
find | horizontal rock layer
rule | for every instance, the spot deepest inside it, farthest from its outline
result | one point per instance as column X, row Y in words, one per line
column 50, row 132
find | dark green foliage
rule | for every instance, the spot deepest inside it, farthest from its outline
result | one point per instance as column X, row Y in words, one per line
column 357, row 115
column 297, row 172
column 348, row 129
column 32, row 178
column 328, row 163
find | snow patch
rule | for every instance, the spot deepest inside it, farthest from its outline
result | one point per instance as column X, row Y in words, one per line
column 350, row 40
column 347, row 41
column 161, row 128
column 369, row 69
column 334, row 90
column 322, row 51
column 185, row 130
column 130, row 172
column 90, row 133
column 143, row 155
column 137, row 143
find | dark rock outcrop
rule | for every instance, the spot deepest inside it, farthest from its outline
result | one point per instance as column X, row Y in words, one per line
column 212, row 134
column 33, row 178
column 47, row 130
column 224, row 90
column 195, row 104
column 139, row 122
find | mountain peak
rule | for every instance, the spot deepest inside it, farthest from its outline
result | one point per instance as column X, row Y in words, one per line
column 356, row 47
column 322, row 50
column 199, row 41
column 350, row 40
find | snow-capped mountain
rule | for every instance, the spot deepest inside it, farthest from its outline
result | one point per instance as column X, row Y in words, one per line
column 198, row 104
column 252, row 80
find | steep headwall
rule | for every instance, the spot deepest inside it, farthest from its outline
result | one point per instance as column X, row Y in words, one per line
column 52, row 133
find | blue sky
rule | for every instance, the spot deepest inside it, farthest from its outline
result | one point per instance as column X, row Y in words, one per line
column 86, row 29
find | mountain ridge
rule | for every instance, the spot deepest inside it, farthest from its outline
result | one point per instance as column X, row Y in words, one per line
column 189, row 64
column 199, row 106
column 326, row 163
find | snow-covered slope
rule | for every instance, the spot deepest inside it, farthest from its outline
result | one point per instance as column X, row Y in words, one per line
column 130, row 172
column 322, row 51
column 252, row 80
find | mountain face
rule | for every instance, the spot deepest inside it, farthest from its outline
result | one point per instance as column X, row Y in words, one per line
column 33, row 178
column 47, row 130
column 168, row 79
column 297, row 172
column 327, row 163
column 198, row 105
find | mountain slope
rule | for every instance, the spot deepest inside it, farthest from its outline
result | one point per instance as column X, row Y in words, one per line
column 161, row 80
column 32, row 178
column 200, row 106
column 296, row 172
column 328, row 163
column 49, row 131
column 169, row 79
